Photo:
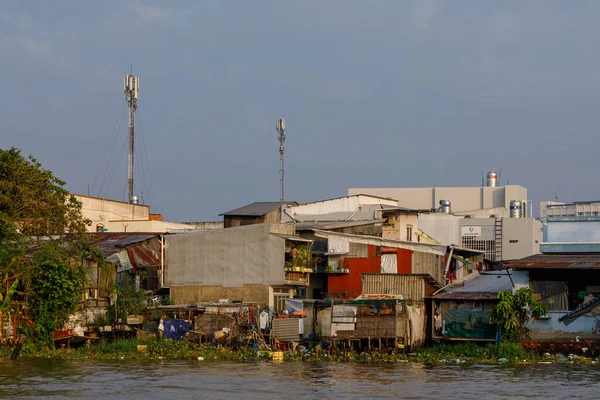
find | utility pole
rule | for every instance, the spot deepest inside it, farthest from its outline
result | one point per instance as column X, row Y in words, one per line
column 131, row 87
column 281, row 130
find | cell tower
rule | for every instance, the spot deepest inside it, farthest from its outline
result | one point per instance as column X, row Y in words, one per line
column 130, row 87
column 280, row 125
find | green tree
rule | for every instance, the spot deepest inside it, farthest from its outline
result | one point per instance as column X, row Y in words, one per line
column 514, row 311
column 41, row 230
column 55, row 282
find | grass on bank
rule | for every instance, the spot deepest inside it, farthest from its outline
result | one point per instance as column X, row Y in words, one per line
column 166, row 349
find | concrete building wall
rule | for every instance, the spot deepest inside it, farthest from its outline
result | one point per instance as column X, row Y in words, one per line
column 206, row 225
column 147, row 226
column 498, row 212
column 572, row 229
column 521, row 237
column 544, row 206
column 193, row 294
column 100, row 211
column 442, row 227
column 397, row 227
column 553, row 330
column 233, row 221
column 462, row 198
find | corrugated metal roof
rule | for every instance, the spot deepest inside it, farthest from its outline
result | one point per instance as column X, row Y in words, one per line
column 466, row 296
column 480, row 286
column 335, row 225
column 257, row 209
column 560, row 261
column 109, row 243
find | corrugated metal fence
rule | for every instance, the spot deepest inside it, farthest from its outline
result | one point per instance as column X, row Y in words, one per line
column 408, row 286
column 286, row 329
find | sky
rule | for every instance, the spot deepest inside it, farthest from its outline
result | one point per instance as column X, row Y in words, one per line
column 375, row 94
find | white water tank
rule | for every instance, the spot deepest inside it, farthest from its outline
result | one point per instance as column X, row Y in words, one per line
column 445, row 206
column 515, row 209
column 492, row 179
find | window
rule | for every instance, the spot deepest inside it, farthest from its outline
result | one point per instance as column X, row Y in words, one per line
column 358, row 250
column 409, row 233
column 488, row 246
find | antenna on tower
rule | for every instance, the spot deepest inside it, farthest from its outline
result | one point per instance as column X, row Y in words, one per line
column 131, row 87
column 280, row 125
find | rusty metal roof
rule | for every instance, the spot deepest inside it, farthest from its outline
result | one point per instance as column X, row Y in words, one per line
column 143, row 249
column 109, row 243
column 558, row 261
column 467, row 296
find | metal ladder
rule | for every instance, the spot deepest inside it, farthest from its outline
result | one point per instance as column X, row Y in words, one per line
column 498, row 240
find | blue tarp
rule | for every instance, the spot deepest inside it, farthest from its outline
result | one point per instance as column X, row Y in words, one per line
column 175, row 328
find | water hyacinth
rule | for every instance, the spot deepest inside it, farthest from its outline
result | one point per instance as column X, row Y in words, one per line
column 167, row 349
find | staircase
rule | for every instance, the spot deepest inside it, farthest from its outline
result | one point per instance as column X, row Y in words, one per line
column 498, row 240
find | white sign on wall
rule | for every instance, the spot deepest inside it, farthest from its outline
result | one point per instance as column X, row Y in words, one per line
column 474, row 231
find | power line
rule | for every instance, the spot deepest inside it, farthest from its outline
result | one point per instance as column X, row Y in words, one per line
column 114, row 169
column 145, row 160
column 111, row 141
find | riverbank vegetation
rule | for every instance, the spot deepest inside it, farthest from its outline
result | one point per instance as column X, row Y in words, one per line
column 167, row 349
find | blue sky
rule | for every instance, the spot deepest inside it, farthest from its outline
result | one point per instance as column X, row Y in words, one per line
column 375, row 94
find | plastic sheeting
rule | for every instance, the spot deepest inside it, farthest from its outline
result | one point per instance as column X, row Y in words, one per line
column 554, row 294
column 338, row 246
column 175, row 328
column 229, row 257
column 416, row 316
column 389, row 264
column 464, row 320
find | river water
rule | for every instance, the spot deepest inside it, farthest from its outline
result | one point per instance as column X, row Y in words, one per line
column 29, row 378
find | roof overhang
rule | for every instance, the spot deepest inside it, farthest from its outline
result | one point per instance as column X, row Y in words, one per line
column 292, row 238
column 436, row 249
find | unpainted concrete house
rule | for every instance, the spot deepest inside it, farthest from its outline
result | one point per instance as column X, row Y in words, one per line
column 262, row 212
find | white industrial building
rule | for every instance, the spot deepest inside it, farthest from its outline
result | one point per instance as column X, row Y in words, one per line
column 492, row 198
column 491, row 218
column 575, row 209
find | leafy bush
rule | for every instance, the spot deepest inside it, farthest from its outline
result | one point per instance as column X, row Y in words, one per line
column 514, row 311
column 56, row 290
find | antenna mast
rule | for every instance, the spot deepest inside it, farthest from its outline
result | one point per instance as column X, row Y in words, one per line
column 280, row 125
column 131, row 87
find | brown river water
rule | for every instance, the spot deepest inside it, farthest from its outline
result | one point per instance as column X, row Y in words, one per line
column 30, row 378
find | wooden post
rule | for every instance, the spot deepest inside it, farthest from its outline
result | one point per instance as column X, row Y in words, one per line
column 18, row 344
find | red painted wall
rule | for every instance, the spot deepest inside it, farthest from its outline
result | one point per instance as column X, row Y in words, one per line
column 350, row 285
column 404, row 261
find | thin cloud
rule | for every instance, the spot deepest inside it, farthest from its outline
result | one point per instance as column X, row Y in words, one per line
column 33, row 49
column 151, row 13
